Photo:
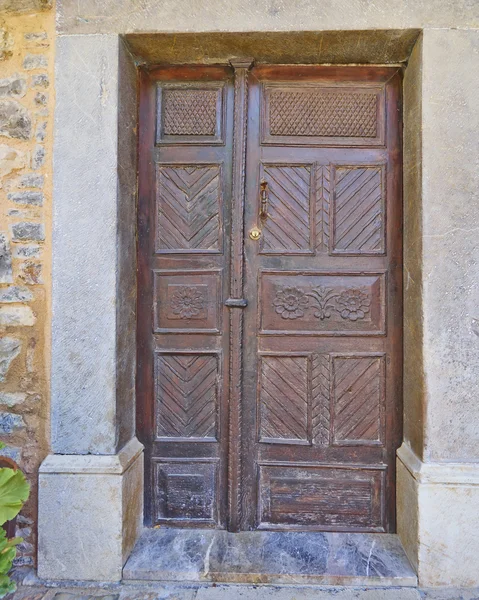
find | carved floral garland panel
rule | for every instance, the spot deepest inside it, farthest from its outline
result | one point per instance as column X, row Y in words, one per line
column 352, row 304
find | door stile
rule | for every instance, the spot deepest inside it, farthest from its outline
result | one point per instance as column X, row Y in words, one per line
column 236, row 301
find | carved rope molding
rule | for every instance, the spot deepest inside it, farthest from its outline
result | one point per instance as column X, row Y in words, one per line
column 292, row 302
column 236, row 301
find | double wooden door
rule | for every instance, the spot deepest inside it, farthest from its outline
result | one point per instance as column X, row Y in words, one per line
column 269, row 296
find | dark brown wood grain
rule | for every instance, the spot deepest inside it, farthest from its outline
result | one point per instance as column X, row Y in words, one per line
column 269, row 370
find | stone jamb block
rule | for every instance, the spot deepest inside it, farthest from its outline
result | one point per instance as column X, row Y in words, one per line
column 438, row 519
column 90, row 514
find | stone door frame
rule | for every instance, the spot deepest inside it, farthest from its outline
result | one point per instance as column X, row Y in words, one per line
column 91, row 486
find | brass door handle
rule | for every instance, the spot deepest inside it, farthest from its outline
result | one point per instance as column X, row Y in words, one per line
column 263, row 199
column 255, row 233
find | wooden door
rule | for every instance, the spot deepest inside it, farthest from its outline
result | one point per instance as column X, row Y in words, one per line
column 270, row 310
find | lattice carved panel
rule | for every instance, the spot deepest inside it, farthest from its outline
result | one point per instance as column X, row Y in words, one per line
column 190, row 113
column 320, row 115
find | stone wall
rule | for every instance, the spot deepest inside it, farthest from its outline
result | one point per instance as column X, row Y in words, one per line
column 26, row 115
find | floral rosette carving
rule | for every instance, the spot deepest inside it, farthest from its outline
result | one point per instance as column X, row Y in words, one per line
column 353, row 304
column 187, row 302
column 323, row 300
column 290, row 303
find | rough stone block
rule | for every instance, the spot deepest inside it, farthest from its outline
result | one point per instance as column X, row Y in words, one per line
column 20, row 6
column 14, row 86
column 26, row 251
column 38, row 157
column 35, row 61
column 10, row 423
column 11, row 316
column 15, row 293
column 6, row 44
column 12, row 398
column 31, row 272
column 11, row 159
column 28, row 232
column 6, row 275
column 15, row 121
column 40, row 80
column 32, row 180
column 41, row 131
column 12, row 452
column 41, row 99
column 9, row 349
column 36, row 36
column 93, row 534
column 31, row 198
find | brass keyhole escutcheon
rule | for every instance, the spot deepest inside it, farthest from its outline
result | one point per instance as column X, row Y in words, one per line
column 255, row 234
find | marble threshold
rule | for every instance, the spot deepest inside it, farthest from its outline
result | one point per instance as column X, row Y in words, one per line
column 270, row 557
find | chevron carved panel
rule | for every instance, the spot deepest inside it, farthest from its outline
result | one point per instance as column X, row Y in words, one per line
column 358, row 212
column 287, row 229
column 188, row 209
column 323, row 190
column 186, row 395
column 358, row 399
column 321, row 401
column 284, row 399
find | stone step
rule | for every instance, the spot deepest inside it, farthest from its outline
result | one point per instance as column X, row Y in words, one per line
column 270, row 557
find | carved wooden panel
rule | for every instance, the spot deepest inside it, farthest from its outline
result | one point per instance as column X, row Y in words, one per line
column 322, row 303
column 188, row 213
column 186, row 391
column 321, row 399
column 288, row 228
column 320, row 497
column 284, row 399
column 358, row 210
column 358, row 399
column 185, row 491
column 190, row 114
column 323, row 202
column 187, row 301
column 322, row 115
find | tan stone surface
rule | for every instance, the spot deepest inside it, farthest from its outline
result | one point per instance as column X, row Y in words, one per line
column 26, row 168
column 450, row 193
column 407, row 512
column 438, row 520
column 97, row 515
column 413, row 305
column 107, row 16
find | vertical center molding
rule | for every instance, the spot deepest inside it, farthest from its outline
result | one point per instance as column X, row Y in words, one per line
column 236, row 301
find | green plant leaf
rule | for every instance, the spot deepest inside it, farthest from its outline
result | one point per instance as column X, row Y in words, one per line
column 7, row 554
column 14, row 490
column 2, row 445
column 7, row 586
